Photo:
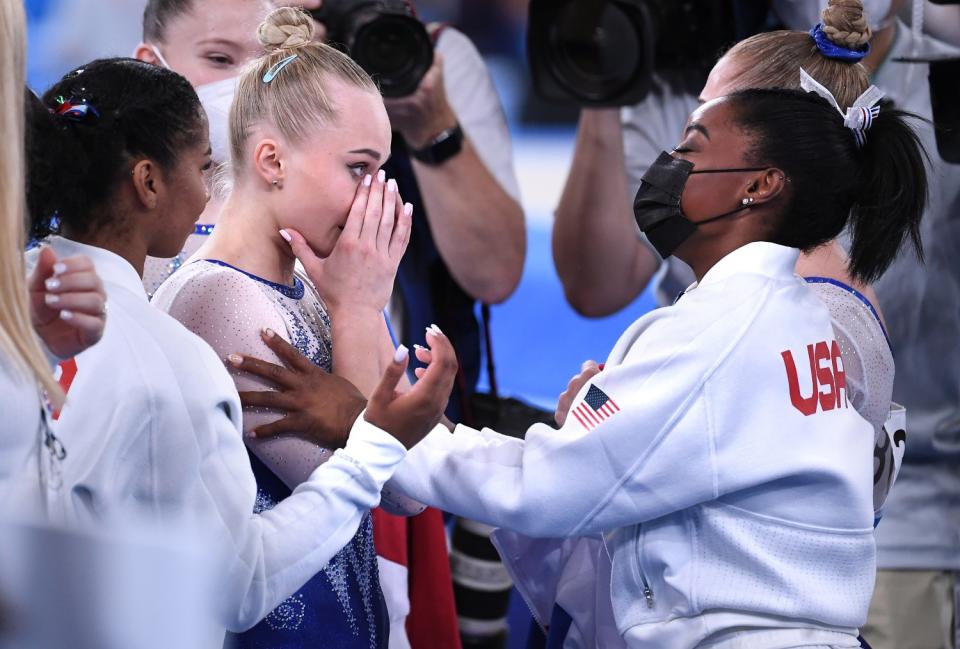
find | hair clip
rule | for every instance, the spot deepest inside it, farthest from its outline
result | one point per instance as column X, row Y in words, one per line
column 275, row 70
column 833, row 51
column 77, row 110
column 859, row 117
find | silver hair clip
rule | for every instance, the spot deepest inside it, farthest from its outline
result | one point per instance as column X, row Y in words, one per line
column 272, row 73
column 859, row 117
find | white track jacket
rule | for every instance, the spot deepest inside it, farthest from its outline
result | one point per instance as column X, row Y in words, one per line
column 152, row 427
column 717, row 454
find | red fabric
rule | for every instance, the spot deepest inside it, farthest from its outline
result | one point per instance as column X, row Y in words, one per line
column 390, row 537
column 420, row 543
column 433, row 615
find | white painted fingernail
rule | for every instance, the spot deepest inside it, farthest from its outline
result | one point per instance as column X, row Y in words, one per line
column 436, row 329
column 408, row 209
column 235, row 359
column 52, row 284
column 66, row 315
column 401, row 353
column 51, row 299
column 392, row 185
column 419, row 347
column 367, row 180
column 286, row 236
column 381, row 175
column 269, row 333
column 59, row 268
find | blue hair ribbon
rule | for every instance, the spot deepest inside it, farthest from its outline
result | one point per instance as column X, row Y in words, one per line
column 833, row 51
column 272, row 73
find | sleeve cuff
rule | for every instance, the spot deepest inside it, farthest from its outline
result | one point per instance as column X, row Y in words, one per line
column 377, row 451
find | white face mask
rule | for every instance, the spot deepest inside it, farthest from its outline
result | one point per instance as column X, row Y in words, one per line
column 216, row 98
column 801, row 15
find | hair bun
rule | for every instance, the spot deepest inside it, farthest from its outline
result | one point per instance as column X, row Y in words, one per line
column 285, row 28
column 845, row 24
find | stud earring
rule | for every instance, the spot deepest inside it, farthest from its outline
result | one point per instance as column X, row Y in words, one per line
column 747, row 201
column 276, row 183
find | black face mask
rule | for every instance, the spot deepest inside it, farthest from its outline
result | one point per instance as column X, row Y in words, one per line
column 657, row 205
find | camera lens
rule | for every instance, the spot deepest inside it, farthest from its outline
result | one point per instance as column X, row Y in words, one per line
column 597, row 58
column 395, row 50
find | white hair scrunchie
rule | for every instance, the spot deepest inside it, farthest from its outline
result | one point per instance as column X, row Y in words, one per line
column 859, row 117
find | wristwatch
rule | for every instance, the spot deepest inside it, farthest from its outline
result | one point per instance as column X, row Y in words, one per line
column 441, row 148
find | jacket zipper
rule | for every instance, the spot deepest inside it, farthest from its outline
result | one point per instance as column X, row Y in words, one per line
column 647, row 591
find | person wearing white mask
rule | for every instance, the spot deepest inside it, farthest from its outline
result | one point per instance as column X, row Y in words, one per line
column 208, row 45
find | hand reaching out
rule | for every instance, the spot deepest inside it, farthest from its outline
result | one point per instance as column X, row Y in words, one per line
column 67, row 303
column 318, row 406
column 322, row 407
column 409, row 416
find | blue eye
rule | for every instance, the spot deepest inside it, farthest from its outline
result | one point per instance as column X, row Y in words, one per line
column 358, row 170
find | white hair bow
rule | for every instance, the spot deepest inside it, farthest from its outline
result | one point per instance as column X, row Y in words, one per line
column 859, row 117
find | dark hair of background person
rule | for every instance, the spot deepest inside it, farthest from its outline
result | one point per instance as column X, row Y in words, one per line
column 878, row 191
column 75, row 163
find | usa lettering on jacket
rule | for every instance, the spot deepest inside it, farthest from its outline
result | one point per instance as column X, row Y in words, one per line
column 828, row 383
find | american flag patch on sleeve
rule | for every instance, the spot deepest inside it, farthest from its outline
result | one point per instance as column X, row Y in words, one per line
column 595, row 408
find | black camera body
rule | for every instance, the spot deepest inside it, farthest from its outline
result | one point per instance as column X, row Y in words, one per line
column 605, row 52
column 384, row 37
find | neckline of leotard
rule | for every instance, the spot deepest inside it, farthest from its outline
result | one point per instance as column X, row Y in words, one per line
column 860, row 296
column 295, row 292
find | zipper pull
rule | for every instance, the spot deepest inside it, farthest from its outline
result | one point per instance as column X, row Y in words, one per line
column 648, row 595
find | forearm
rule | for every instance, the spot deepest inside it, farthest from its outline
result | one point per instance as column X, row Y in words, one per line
column 600, row 259
column 478, row 228
column 285, row 546
column 358, row 345
column 497, row 480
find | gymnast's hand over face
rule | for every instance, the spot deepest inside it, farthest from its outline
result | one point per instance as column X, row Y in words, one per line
column 67, row 303
column 318, row 406
column 360, row 270
column 588, row 370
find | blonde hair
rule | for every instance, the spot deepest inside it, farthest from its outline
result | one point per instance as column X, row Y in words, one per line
column 774, row 59
column 18, row 342
column 295, row 100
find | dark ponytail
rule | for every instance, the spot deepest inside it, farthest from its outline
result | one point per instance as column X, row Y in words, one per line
column 879, row 190
column 894, row 195
column 75, row 160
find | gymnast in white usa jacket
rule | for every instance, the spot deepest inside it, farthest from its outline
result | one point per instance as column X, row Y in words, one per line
column 718, row 453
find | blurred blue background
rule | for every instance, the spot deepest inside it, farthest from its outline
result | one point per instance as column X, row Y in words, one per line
column 539, row 341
